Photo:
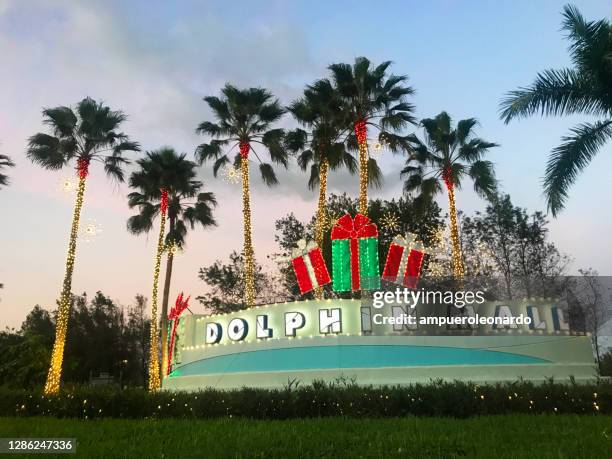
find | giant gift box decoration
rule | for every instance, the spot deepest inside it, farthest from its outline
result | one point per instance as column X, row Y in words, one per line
column 404, row 261
column 309, row 266
column 173, row 318
column 355, row 254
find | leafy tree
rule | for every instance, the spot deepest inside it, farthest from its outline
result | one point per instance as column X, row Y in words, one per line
column 447, row 155
column 372, row 97
column 24, row 356
column 585, row 88
column 88, row 134
column 244, row 119
column 322, row 145
column 512, row 244
column 5, row 162
column 226, row 284
column 164, row 174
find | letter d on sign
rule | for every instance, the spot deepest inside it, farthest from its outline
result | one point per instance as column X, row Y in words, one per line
column 214, row 333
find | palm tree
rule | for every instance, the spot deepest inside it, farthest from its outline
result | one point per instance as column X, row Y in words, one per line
column 5, row 161
column 89, row 134
column 322, row 146
column 586, row 88
column 447, row 155
column 166, row 182
column 243, row 120
column 371, row 97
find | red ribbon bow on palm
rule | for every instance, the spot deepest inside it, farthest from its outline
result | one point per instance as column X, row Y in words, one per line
column 175, row 312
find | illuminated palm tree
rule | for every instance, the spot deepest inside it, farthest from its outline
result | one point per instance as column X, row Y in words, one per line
column 166, row 184
column 85, row 135
column 371, row 97
column 446, row 156
column 584, row 89
column 243, row 120
column 322, row 146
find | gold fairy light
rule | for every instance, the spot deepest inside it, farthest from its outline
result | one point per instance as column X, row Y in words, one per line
column 231, row 174
column 331, row 220
column 67, row 185
column 362, row 141
column 54, row 374
column 249, row 262
column 390, row 222
column 90, row 230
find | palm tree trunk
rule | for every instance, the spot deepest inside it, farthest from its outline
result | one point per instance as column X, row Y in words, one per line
column 362, row 140
column 323, row 168
column 54, row 374
column 164, row 312
column 457, row 258
column 154, row 379
column 246, row 215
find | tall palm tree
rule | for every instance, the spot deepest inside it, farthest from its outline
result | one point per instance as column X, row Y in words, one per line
column 322, row 146
column 5, row 161
column 243, row 119
column 166, row 182
column 447, row 155
column 85, row 135
column 372, row 97
column 586, row 88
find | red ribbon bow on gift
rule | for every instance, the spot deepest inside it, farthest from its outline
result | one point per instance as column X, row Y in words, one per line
column 361, row 226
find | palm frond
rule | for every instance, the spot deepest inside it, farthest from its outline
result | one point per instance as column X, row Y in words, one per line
column 267, row 174
column 483, row 176
column 375, row 175
column 47, row 151
column 273, row 141
column 554, row 93
column 314, row 178
column 571, row 157
column 62, row 120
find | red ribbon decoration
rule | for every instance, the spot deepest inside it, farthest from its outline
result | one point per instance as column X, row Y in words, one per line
column 82, row 167
column 245, row 147
column 354, row 229
column 164, row 201
column 174, row 314
column 361, row 131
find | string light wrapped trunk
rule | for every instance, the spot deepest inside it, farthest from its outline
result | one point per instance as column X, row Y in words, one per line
column 458, row 271
column 249, row 266
column 321, row 213
column 361, row 132
column 52, row 384
column 164, row 313
column 154, row 377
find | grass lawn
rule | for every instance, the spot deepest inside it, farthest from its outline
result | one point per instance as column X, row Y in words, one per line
column 494, row 436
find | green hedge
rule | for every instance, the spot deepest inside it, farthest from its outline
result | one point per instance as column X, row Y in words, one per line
column 456, row 399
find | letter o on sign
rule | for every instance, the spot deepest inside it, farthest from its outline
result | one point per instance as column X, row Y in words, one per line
column 237, row 329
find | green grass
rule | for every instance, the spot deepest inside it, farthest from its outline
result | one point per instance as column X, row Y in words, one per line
column 513, row 436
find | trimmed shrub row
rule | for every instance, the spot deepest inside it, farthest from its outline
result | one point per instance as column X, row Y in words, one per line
column 451, row 399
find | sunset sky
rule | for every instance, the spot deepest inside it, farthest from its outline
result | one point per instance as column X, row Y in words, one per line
column 155, row 60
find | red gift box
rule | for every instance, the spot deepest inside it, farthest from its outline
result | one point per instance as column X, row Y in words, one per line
column 404, row 261
column 309, row 266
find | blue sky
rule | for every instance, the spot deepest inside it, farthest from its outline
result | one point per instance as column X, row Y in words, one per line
column 156, row 60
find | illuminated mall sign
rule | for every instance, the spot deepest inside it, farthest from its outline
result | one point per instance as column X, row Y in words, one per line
column 352, row 317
